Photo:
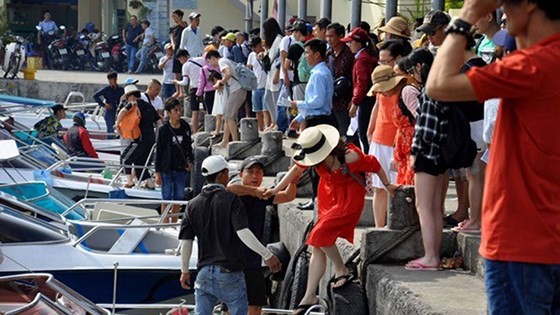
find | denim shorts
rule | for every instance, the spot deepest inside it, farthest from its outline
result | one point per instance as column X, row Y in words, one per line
column 213, row 284
column 173, row 185
column 522, row 288
column 258, row 100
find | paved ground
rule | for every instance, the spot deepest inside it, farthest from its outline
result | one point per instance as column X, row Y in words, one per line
column 88, row 76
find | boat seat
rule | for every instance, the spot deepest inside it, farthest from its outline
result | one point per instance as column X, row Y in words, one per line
column 108, row 210
column 129, row 239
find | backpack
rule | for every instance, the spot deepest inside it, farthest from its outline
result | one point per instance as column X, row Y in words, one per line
column 458, row 150
column 246, row 77
column 130, row 124
column 303, row 68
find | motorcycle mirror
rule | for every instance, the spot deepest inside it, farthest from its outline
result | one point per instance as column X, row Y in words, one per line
column 62, row 27
column 37, row 27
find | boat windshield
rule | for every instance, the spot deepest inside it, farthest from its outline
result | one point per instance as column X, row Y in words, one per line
column 17, row 227
column 42, row 294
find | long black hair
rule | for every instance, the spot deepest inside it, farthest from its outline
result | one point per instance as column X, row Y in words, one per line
column 425, row 58
column 271, row 29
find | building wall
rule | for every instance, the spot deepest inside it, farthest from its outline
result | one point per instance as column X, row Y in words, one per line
column 89, row 10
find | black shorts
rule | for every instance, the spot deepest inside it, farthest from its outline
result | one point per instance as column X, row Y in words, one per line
column 256, row 287
column 424, row 165
column 193, row 100
column 177, row 66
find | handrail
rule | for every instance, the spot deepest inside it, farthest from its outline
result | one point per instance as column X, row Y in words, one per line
column 87, row 201
column 146, row 164
column 89, row 233
column 192, row 307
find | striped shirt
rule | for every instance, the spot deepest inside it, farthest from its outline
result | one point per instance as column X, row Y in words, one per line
column 431, row 128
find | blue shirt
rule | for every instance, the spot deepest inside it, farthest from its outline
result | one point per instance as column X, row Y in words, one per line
column 112, row 96
column 318, row 93
column 47, row 26
column 238, row 55
column 132, row 33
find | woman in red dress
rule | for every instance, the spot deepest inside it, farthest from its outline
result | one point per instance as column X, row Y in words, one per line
column 340, row 199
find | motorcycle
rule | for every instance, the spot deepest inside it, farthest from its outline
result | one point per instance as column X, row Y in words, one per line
column 78, row 52
column 118, row 53
column 14, row 55
column 51, row 50
column 154, row 54
column 100, row 53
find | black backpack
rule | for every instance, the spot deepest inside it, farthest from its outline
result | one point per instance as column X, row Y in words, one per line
column 458, row 150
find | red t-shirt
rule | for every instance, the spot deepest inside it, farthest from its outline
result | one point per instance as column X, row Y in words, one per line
column 521, row 210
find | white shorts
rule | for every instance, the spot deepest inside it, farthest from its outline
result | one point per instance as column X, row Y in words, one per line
column 384, row 154
column 477, row 129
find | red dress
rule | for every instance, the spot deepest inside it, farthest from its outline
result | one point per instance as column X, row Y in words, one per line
column 340, row 201
column 403, row 144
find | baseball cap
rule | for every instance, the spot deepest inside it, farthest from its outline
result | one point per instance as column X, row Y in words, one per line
column 502, row 38
column 230, row 37
column 194, row 15
column 300, row 26
column 58, row 107
column 130, row 81
column 215, row 164
column 252, row 160
column 434, row 19
column 356, row 34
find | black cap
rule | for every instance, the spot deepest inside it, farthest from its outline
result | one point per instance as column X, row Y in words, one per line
column 58, row 107
column 434, row 19
column 300, row 26
column 252, row 160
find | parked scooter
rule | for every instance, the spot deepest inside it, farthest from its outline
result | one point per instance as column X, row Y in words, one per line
column 78, row 52
column 155, row 53
column 118, row 55
column 14, row 56
column 100, row 53
column 48, row 39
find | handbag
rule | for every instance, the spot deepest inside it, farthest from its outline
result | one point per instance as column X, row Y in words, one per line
column 342, row 87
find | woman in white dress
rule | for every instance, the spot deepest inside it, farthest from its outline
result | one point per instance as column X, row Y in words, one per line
column 272, row 38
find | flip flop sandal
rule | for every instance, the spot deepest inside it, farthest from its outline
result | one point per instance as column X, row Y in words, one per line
column 450, row 221
column 417, row 266
column 347, row 279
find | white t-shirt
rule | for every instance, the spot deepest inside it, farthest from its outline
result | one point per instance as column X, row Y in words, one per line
column 258, row 70
column 168, row 75
column 233, row 84
column 157, row 103
column 285, row 44
column 148, row 37
column 274, row 49
column 193, row 70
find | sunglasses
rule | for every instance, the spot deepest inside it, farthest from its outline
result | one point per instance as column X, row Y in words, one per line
column 435, row 30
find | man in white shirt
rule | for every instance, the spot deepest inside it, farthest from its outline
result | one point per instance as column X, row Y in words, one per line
column 152, row 96
column 191, row 38
column 191, row 72
column 147, row 42
column 255, row 64
column 166, row 64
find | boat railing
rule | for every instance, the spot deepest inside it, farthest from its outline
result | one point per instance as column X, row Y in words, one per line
column 88, row 203
column 124, row 227
column 316, row 310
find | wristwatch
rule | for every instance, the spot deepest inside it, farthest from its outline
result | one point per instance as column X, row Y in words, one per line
column 462, row 27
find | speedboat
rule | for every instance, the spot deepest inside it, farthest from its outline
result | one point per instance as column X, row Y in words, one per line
column 143, row 259
column 77, row 178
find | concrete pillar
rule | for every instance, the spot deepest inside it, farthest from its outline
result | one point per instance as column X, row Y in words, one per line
column 356, row 13
column 249, row 129
column 302, row 9
column 248, row 15
column 264, row 13
column 326, row 9
column 282, row 13
column 438, row 5
column 390, row 9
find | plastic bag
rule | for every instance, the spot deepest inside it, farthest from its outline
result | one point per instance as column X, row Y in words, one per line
column 284, row 98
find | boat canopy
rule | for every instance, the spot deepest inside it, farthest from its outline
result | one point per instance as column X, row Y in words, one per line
column 11, row 99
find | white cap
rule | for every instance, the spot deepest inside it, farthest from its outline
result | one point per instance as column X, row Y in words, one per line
column 215, row 164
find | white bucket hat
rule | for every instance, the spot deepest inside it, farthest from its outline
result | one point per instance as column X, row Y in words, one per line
column 130, row 89
column 315, row 144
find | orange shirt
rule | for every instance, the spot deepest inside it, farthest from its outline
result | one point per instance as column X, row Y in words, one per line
column 385, row 129
column 521, row 209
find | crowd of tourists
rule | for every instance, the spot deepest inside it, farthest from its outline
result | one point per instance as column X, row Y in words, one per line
column 371, row 111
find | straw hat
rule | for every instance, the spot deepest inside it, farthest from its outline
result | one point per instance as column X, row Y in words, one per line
column 315, row 144
column 384, row 79
column 397, row 26
column 130, row 89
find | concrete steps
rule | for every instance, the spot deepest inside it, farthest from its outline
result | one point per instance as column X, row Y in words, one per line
column 395, row 290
